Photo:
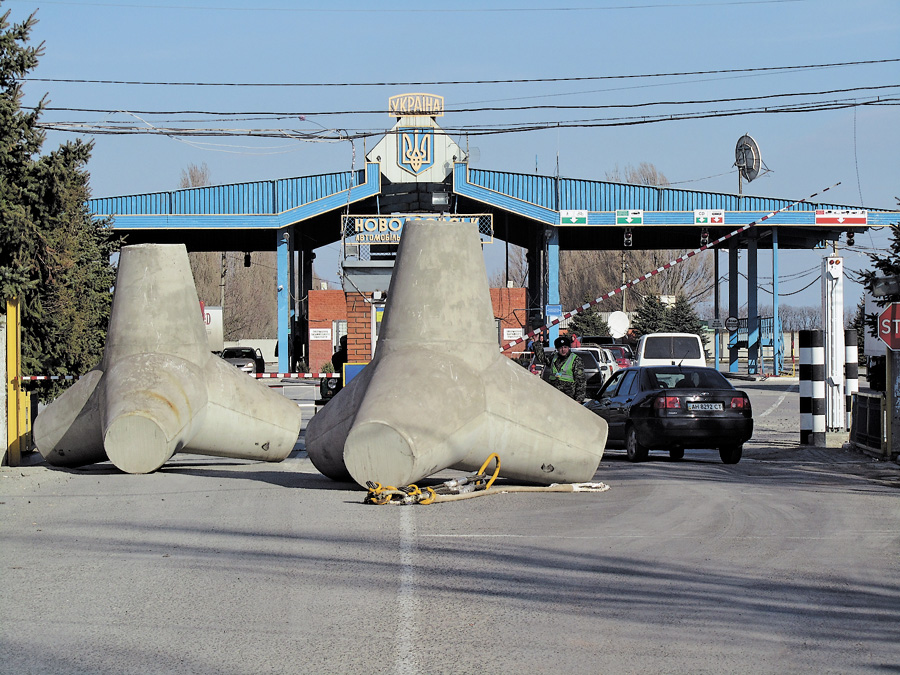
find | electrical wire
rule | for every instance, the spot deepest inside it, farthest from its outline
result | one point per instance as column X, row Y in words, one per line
column 593, row 78
column 609, row 106
column 345, row 135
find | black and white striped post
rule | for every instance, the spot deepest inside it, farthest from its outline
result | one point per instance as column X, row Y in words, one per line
column 851, row 370
column 812, row 387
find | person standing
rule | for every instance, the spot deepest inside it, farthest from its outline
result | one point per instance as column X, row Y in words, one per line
column 565, row 371
column 338, row 360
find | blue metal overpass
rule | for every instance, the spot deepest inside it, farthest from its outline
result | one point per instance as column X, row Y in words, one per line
column 303, row 213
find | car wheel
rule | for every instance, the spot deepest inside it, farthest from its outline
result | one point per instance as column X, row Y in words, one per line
column 731, row 454
column 676, row 453
column 636, row 452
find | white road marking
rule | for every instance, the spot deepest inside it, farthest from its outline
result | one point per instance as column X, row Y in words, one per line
column 850, row 534
column 780, row 400
column 406, row 595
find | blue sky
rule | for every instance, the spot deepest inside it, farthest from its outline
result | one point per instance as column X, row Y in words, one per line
column 222, row 41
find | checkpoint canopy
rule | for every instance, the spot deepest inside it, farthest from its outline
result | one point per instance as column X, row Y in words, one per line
column 417, row 170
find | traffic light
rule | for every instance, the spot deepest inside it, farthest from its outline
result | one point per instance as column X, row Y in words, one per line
column 247, row 259
column 627, row 241
column 704, row 237
column 850, row 239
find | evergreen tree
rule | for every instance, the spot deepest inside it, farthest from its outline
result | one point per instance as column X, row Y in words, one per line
column 682, row 318
column 883, row 266
column 650, row 316
column 858, row 323
column 588, row 322
column 53, row 256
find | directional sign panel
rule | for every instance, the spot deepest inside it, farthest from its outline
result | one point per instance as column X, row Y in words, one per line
column 709, row 217
column 889, row 326
column 633, row 217
column 573, row 217
column 841, row 217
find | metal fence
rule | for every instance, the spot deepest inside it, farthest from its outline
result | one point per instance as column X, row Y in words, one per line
column 868, row 423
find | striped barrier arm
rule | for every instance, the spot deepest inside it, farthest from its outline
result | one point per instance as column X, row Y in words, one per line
column 586, row 306
column 284, row 376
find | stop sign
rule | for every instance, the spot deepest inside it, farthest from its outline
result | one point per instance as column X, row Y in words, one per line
column 889, row 326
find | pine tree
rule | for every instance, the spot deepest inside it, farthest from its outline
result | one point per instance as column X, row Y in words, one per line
column 886, row 265
column 682, row 318
column 53, row 255
column 588, row 322
column 858, row 323
column 650, row 316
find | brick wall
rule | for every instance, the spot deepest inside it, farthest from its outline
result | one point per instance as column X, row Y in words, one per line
column 509, row 306
column 325, row 307
column 359, row 328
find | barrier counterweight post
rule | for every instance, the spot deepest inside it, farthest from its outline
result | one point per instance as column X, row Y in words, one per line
column 851, row 371
column 812, row 387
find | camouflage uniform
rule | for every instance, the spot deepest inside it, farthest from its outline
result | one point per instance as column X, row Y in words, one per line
column 555, row 364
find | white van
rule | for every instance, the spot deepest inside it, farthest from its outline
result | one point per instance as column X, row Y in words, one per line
column 665, row 349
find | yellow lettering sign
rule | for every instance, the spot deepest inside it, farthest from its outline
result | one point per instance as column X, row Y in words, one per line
column 404, row 105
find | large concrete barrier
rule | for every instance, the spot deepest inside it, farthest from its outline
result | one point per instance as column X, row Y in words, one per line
column 158, row 389
column 439, row 394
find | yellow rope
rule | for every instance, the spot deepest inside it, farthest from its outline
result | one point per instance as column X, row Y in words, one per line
column 466, row 487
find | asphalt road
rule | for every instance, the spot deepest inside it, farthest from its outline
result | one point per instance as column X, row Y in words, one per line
column 788, row 562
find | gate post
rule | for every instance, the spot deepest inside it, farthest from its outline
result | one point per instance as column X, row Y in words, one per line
column 812, row 387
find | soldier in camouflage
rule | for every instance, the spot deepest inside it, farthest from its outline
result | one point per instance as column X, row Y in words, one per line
column 564, row 369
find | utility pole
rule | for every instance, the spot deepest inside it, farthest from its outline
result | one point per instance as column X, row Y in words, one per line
column 624, row 267
column 222, row 286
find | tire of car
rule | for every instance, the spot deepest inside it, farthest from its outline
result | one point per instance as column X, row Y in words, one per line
column 676, row 453
column 635, row 451
column 731, row 454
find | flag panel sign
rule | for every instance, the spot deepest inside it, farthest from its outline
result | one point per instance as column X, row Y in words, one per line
column 841, row 217
column 568, row 217
column 709, row 217
column 632, row 217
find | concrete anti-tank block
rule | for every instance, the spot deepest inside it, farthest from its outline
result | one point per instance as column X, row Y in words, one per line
column 439, row 394
column 158, row 389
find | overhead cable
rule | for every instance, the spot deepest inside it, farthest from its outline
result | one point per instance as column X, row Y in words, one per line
column 591, row 78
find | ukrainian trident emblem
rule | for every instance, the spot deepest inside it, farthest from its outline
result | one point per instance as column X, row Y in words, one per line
column 415, row 149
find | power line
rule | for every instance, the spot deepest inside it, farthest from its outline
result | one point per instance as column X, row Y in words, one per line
column 481, row 130
column 606, row 106
column 593, row 78
column 434, row 10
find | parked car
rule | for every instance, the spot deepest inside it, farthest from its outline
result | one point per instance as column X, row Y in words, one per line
column 621, row 353
column 328, row 387
column 595, row 373
column 605, row 357
column 661, row 349
column 673, row 408
column 248, row 359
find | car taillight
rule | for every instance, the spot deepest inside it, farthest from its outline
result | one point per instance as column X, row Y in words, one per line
column 533, row 370
column 666, row 402
column 740, row 403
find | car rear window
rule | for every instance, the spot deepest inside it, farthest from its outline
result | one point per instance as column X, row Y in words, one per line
column 685, row 378
column 588, row 360
column 672, row 347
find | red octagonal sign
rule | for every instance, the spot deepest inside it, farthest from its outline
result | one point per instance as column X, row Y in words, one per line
column 889, row 326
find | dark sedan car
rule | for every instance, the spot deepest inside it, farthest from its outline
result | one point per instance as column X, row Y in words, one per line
column 248, row 359
column 673, row 408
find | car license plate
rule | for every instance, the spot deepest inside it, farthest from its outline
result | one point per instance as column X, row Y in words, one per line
column 703, row 406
